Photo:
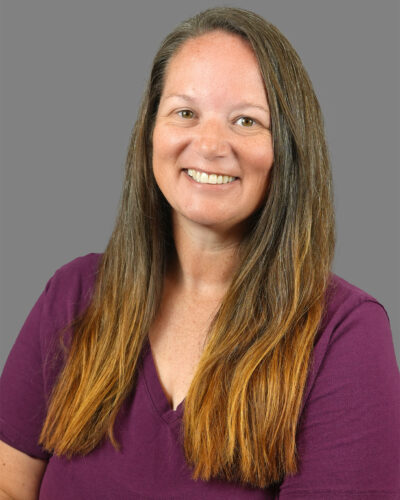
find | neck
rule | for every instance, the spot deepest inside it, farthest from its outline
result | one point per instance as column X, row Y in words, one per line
column 205, row 259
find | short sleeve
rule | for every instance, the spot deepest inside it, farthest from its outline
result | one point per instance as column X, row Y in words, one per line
column 22, row 392
column 349, row 433
column 37, row 356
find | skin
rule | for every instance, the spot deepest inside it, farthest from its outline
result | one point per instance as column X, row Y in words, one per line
column 218, row 73
column 20, row 474
column 214, row 117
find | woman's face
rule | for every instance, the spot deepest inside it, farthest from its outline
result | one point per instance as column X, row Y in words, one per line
column 212, row 145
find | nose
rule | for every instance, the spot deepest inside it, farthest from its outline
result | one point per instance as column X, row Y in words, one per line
column 211, row 140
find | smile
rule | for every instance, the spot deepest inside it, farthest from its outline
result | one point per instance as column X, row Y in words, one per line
column 203, row 178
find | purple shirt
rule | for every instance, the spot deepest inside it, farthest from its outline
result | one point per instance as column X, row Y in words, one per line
column 349, row 432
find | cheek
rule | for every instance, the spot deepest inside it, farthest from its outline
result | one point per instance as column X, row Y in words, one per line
column 166, row 143
column 261, row 157
column 157, row 157
column 165, row 158
column 158, row 145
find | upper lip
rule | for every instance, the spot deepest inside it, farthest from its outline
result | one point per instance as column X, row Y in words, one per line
column 210, row 173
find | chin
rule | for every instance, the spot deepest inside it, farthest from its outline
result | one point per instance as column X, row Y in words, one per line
column 207, row 221
column 222, row 223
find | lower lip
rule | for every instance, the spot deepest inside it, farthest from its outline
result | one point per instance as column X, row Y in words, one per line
column 227, row 185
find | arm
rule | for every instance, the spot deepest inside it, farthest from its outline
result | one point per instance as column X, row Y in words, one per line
column 30, row 372
column 20, row 475
column 22, row 408
column 349, row 433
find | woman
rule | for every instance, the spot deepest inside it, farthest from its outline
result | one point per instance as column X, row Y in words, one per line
column 209, row 352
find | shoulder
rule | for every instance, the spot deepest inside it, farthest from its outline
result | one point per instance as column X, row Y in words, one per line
column 66, row 295
column 75, row 277
column 80, row 271
column 354, row 334
column 344, row 289
column 37, row 350
column 342, row 294
column 70, row 288
column 343, row 299
column 349, row 423
column 348, row 310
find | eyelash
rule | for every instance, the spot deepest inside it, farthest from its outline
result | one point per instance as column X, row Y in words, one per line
column 240, row 118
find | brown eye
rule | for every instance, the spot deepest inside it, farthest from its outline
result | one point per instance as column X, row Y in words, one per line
column 245, row 121
column 186, row 113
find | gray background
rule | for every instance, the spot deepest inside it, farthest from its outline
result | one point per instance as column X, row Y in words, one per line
column 71, row 77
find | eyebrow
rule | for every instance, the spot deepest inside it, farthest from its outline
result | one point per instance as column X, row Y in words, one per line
column 243, row 104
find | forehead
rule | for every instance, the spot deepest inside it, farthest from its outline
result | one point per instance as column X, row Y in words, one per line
column 215, row 58
column 215, row 39
column 216, row 43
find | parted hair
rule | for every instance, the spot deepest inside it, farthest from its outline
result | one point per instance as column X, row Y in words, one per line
column 241, row 412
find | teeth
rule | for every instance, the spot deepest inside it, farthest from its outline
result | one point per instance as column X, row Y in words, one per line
column 204, row 178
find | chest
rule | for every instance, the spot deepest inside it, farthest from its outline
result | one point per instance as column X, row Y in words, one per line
column 177, row 339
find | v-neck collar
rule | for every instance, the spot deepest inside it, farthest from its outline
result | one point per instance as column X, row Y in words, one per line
column 155, row 390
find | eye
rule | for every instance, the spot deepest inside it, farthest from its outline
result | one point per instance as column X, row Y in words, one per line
column 246, row 121
column 186, row 113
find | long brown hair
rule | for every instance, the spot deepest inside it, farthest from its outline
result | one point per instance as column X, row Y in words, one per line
column 242, row 409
